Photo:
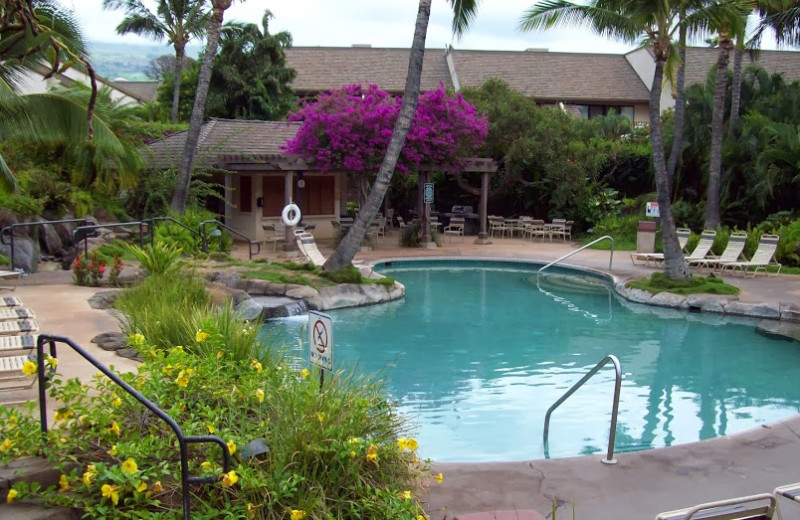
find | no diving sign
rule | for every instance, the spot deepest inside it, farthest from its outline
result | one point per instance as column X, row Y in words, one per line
column 320, row 340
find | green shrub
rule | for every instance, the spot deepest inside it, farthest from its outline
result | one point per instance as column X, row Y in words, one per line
column 623, row 229
column 349, row 274
column 4, row 260
column 116, row 247
column 787, row 252
column 219, row 256
column 25, row 205
column 158, row 258
column 659, row 282
column 81, row 201
column 411, row 236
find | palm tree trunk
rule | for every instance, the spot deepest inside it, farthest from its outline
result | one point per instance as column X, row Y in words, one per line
column 181, row 192
column 350, row 244
column 717, row 134
column 675, row 264
column 736, row 89
column 680, row 110
column 176, row 85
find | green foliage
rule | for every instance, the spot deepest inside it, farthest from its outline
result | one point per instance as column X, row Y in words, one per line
column 116, row 247
column 219, row 256
column 81, row 201
column 158, row 258
column 349, row 274
column 411, row 235
column 23, row 204
column 659, row 282
column 788, row 252
column 4, row 260
column 152, row 195
column 622, row 229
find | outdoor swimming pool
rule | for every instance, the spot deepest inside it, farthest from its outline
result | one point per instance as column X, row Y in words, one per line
column 475, row 355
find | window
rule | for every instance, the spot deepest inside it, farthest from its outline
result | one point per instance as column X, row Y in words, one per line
column 245, row 193
column 272, row 191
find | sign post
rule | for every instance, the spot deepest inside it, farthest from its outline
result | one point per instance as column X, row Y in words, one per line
column 320, row 342
column 427, row 192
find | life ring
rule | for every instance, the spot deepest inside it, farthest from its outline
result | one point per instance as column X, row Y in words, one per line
column 293, row 210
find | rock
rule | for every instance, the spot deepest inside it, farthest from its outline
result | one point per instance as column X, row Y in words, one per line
column 665, row 299
column 238, row 296
column 228, row 279
column 301, row 292
column 104, row 299
column 26, row 253
column 634, row 295
column 250, row 310
column 276, row 289
column 257, row 287
column 779, row 330
column 130, row 354
column 790, row 312
column 49, row 240
column 111, row 340
column 707, row 303
column 756, row 310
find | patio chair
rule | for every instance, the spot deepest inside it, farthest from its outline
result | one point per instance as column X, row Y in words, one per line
column 400, row 222
column 455, row 228
column 11, row 375
column 762, row 258
column 498, row 225
column 753, row 507
column 275, row 234
column 18, row 326
column 703, row 247
column 16, row 313
column 19, row 342
column 535, row 228
column 683, row 239
column 562, row 228
column 732, row 253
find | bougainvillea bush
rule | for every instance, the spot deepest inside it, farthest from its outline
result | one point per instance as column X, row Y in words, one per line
column 333, row 453
column 350, row 129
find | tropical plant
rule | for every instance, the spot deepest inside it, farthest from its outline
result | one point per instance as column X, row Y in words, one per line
column 658, row 22
column 181, row 192
column 158, row 258
column 464, row 12
column 176, row 20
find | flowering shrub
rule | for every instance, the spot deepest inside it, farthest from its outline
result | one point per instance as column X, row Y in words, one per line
column 88, row 272
column 335, row 453
column 116, row 269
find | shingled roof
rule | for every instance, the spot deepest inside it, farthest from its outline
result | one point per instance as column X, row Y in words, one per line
column 700, row 60
column 554, row 76
column 144, row 91
column 328, row 68
column 218, row 137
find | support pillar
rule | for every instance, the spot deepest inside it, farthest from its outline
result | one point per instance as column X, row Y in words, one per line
column 483, row 208
column 289, row 245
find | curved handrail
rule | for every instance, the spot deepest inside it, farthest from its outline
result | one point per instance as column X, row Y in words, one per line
column 614, row 409
column 202, row 227
column 9, row 230
column 183, row 440
column 81, row 229
column 593, row 242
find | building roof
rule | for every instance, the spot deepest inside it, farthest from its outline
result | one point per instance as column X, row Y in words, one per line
column 328, row 68
column 699, row 61
column 143, row 91
column 228, row 137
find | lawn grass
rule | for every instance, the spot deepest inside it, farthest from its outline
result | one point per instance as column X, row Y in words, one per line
column 659, row 282
column 304, row 274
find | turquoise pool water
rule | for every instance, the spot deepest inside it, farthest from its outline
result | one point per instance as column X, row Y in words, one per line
column 475, row 355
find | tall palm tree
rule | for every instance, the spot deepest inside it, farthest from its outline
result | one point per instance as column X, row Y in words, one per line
column 463, row 14
column 176, row 20
column 181, row 192
column 658, row 23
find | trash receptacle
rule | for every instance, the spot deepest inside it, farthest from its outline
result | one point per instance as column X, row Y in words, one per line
column 646, row 237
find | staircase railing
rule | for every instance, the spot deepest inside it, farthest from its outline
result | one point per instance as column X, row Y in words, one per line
column 593, row 242
column 251, row 243
column 9, row 231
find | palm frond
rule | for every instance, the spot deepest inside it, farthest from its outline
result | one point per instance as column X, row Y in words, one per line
column 609, row 19
column 7, row 180
column 464, row 13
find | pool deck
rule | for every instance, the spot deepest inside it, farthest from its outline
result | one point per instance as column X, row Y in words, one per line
column 640, row 485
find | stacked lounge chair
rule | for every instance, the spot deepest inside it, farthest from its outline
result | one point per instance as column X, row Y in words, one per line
column 762, row 258
column 657, row 258
column 16, row 343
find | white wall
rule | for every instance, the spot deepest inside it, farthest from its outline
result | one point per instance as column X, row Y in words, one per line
column 35, row 83
column 642, row 63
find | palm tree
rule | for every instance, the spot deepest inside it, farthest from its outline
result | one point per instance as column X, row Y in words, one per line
column 181, row 192
column 658, row 23
column 463, row 13
column 176, row 20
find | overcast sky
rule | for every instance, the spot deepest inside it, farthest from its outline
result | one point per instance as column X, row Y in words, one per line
column 381, row 23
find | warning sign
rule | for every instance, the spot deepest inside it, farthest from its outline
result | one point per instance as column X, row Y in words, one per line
column 320, row 340
column 651, row 210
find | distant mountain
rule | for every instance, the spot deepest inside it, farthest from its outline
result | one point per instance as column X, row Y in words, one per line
column 130, row 61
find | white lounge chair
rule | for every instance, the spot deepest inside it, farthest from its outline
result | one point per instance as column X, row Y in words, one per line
column 703, row 247
column 19, row 342
column 732, row 253
column 754, row 507
column 16, row 313
column 9, row 275
column 10, row 301
column 762, row 258
column 18, row 326
column 308, row 246
column 683, row 239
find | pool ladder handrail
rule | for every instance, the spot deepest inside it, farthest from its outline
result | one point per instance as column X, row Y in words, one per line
column 614, row 409
column 593, row 242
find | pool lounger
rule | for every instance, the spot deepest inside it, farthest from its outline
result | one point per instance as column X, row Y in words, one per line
column 11, row 375
column 16, row 313
column 18, row 326
column 10, row 301
column 753, row 507
column 22, row 342
column 790, row 491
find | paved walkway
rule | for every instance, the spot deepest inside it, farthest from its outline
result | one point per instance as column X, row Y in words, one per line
column 639, row 486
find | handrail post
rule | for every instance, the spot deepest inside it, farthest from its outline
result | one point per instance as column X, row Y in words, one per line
column 614, row 408
column 12, row 248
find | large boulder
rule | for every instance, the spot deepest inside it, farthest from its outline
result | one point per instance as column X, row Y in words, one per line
column 26, row 253
column 50, row 241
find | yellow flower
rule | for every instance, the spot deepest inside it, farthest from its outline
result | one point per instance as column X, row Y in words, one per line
column 115, row 428
column 190, row 371
column 167, row 369
column 352, row 454
column 12, row 494
column 412, row 444
column 231, row 447
column 200, row 336
column 141, row 486
column 63, row 483
column 406, row 495
column 206, row 466
column 157, row 487
column 230, row 478
column 129, row 466
column 117, row 402
column 251, row 510
column 304, row 373
column 87, row 478
column 62, row 414
column 421, row 517
column 29, row 368
column 260, row 395
column 138, row 340
column 219, row 354
column 210, row 429
column 113, row 451
column 438, row 477
column 372, row 453
column 182, row 381
column 52, row 362
column 111, row 492
column 320, row 416
column 297, row 514
column 353, row 440
column 256, row 365
column 7, row 443
column 402, row 443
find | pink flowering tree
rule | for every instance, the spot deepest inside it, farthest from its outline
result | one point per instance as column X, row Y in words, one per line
column 350, row 129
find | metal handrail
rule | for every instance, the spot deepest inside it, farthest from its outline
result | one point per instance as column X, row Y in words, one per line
column 183, row 440
column 9, row 230
column 80, row 229
column 153, row 220
column 202, row 227
column 614, row 409
column 593, row 242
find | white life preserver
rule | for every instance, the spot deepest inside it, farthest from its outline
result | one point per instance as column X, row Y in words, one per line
column 293, row 210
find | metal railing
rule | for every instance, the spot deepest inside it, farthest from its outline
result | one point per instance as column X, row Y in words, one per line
column 143, row 228
column 9, row 230
column 593, row 242
column 614, row 409
column 183, row 440
column 230, row 230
